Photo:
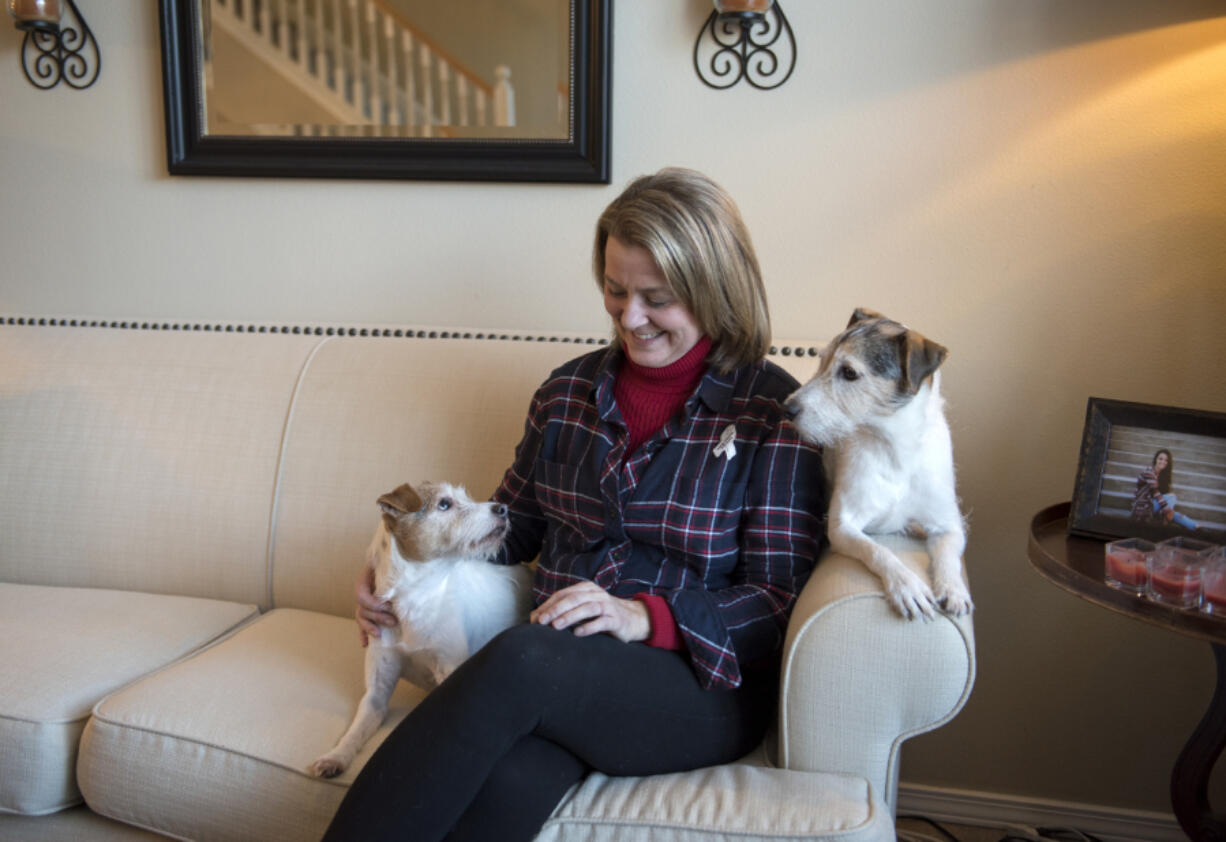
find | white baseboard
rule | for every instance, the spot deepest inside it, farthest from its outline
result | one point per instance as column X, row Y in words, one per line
column 989, row 809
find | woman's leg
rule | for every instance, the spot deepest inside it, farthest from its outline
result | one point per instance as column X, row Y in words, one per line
column 624, row 709
column 520, row 793
column 1176, row 515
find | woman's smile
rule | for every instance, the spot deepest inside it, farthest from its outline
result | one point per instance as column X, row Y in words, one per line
column 655, row 328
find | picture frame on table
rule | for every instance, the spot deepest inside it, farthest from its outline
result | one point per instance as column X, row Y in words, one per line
column 1126, row 489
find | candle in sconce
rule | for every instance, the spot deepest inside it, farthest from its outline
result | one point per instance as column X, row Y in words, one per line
column 35, row 11
column 734, row 6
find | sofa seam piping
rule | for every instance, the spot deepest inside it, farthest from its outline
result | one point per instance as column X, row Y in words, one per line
column 270, row 545
column 220, row 637
column 66, row 805
column 676, row 825
column 182, row 738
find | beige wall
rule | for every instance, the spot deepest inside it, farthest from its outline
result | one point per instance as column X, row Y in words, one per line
column 1039, row 185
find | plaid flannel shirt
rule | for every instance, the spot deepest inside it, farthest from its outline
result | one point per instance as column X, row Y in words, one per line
column 728, row 536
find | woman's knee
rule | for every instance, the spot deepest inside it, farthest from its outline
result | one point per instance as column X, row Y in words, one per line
column 530, row 651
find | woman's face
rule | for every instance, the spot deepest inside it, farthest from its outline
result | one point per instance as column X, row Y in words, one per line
column 654, row 327
column 1160, row 462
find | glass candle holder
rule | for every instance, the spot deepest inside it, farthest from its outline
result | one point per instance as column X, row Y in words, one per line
column 1176, row 570
column 35, row 14
column 1214, row 584
column 739, row 6
column 1127, row 564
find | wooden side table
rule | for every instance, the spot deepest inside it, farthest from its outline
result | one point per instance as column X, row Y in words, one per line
column 1076, row 564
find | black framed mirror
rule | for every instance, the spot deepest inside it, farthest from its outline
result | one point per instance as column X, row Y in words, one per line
column 362, row 89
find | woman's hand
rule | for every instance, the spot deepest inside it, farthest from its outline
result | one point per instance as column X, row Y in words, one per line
column 372, row 612
column 589, row 609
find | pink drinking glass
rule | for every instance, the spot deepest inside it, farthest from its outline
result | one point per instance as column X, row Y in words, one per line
column 1214, row 581
column 1176, row 570
column 1126, row 566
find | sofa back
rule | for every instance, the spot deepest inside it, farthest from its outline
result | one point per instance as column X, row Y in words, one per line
column 372, row 414
column 141, row 460
column 242, row 465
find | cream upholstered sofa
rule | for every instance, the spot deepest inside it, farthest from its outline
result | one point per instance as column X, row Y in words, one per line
column 183, row 509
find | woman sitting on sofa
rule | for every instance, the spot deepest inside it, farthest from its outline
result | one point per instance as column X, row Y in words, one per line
column 675, row 518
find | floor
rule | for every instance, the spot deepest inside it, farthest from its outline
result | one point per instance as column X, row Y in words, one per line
column 915, row 829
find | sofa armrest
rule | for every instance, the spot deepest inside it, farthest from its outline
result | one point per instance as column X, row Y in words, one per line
column 858, row 679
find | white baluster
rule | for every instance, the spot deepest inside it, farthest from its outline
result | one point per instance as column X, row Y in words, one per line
column 427, row 91
column 504, row 97
column 461, row 91
column 410, row 90
column 394, row 114
column 354, row 65
column 300, row 41
column 482, row 116
column 284, row 35
column 376, row 90
column 444, row 92
column 321, row 46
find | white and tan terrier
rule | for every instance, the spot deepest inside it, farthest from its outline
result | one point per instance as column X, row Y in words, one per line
column 431, row 560
column 875, row 405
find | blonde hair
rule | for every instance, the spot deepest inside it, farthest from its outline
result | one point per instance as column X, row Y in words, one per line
column 695, row 235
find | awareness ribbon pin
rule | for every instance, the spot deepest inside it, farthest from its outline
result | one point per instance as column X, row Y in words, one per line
column 727, row 443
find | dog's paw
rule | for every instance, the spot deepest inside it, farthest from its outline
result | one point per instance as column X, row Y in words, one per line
column 954, row 598
column 910, row 596
column 328, row 766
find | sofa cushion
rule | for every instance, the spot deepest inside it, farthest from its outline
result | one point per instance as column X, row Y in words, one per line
column 79, row 822
column 217, row 747
column 741, row 801
column 63, row 649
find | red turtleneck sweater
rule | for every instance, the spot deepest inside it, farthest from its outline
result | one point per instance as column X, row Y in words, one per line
column 648, row 398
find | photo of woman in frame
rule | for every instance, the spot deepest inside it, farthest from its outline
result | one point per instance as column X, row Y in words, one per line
column 1150, row 471
column 1154, row 500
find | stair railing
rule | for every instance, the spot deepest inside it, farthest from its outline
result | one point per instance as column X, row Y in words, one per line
column 368, row 67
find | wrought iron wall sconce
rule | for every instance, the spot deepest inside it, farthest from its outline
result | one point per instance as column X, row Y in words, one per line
column 743, row 39
column 56, row 49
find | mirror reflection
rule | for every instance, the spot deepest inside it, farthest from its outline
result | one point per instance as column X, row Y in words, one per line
column 387, row 68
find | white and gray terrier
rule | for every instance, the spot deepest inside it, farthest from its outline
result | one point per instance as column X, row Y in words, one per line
column 430, row 557
column 875, row 405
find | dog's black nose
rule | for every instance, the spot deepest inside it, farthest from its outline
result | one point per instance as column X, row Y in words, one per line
column 500, row 510
column 791, row 409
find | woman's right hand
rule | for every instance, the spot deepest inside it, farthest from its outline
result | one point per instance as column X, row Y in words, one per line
column 372, row 613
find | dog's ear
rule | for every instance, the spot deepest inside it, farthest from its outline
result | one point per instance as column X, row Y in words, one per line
column 862, row 314
column 920, row 356
column 401, row 501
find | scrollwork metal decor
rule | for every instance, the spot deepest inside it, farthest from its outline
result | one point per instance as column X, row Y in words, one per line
column 745, row 45
column 66, row 53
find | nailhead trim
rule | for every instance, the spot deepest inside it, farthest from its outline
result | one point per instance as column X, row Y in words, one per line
column 308, row 330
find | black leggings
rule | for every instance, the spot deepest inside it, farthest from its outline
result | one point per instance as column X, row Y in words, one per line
column 491, row 751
